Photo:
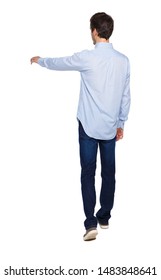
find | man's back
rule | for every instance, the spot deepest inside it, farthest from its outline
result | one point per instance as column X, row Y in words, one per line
column 104, row 79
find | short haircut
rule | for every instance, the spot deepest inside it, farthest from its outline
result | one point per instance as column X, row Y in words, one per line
column 103, row 23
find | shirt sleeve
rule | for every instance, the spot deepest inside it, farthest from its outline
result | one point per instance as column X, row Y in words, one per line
column 76, row 62
column 125, row 102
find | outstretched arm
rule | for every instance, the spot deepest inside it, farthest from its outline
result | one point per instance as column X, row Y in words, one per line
column 76, row 62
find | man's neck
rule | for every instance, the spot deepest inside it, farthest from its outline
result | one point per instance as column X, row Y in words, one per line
column 101, row 40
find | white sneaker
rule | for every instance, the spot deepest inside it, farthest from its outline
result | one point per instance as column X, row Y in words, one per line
column 90, row 234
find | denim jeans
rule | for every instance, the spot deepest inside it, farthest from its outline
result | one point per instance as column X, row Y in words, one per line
column 88, row 156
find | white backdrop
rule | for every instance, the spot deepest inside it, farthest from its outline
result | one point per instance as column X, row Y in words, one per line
column 40, row 202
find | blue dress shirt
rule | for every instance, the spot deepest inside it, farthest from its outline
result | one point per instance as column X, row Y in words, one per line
column 104, row 100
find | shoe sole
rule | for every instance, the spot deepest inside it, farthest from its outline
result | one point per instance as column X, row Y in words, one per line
column 91, row 235
column 104, row 226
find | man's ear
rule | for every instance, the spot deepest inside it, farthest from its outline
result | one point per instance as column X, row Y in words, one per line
column 95, row 33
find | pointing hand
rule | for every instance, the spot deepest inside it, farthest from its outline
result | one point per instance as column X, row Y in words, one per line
column 34, row 59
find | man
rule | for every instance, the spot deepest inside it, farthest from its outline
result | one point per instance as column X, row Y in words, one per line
column 102, row 110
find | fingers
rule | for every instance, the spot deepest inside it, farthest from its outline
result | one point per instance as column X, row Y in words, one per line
column 119, row 137
column 33, row 60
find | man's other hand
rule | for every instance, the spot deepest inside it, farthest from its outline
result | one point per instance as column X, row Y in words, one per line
column 119, row 134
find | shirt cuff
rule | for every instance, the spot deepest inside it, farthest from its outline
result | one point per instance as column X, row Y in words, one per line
column 41, row 62
column 120, row 124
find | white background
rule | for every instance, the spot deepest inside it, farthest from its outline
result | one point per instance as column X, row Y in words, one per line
column 40, row 202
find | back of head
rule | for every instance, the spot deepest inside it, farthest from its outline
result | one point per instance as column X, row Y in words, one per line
column 103, row 23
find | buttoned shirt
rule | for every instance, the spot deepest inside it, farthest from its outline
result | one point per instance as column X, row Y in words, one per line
column 104, row 99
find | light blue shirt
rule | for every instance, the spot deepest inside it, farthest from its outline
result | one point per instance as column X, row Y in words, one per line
column 104, row 99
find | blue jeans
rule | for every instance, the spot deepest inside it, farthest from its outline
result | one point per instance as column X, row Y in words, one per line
column 88, row 155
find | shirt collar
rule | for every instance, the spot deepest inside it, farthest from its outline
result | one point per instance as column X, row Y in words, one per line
column 103, row 45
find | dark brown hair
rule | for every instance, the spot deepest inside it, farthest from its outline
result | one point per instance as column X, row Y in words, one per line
column 103, row 23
